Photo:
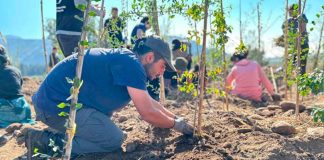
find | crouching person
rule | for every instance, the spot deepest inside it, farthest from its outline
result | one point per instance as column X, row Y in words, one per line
column 111, row 79
column 13, row 106
column 246, row 79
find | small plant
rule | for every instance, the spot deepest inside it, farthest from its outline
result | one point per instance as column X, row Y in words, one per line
column 318, row 114
column 311, row 83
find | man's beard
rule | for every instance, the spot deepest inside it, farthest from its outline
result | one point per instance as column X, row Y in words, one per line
column 148, row 68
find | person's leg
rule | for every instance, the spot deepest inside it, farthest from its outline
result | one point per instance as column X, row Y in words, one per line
column 95, row 131
column 303, row 58
column 68, row 43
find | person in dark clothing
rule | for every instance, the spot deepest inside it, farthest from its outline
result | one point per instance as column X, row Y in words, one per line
column 68, row 27
column 139, row 30
column 105, row 90
column 54, row 58
column 114, row 27
column 294, row 22
column 13, row 106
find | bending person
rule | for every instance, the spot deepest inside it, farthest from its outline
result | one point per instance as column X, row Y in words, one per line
column 13, row 105
column 246, row 78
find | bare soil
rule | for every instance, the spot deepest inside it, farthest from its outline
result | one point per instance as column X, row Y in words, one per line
column 239, row 133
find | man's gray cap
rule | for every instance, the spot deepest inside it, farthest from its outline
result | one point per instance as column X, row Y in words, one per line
column 161, row 47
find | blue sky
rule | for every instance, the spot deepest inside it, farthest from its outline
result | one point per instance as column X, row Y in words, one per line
column 22, row 18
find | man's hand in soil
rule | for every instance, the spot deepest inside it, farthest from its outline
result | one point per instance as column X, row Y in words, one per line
column 182, row 126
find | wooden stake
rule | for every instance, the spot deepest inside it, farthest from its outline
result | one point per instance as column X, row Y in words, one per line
column 71, row 126
column 273, row 80
column 286, row 51
column 157, row 31
column 224, row 56
column 43, row 37
column 298, row 58
column 241, row 31
column 202, row 71
column 259, row 27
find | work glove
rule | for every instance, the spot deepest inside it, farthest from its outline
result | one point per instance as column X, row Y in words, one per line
column 276, row 97
column 182, row 126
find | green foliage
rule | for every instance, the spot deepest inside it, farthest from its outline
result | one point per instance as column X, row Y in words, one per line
column 50, row 28
column 63, row 114
column 185, row 83
column 311, row 83
column 81, row 7
column 84, row 43
column 63, row 105
column 92, row 13
column 318, row 114
column 195, row 12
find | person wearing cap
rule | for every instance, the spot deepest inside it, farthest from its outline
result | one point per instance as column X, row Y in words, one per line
column 111, row 79
column 13, row 105
column 170, row 81
column 54, row 58
column 171, row 78
column 246, row 78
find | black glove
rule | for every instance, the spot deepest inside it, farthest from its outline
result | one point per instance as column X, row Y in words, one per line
column 182, row 126
column 276, row 97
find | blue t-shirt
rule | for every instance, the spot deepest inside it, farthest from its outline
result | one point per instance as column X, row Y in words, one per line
column 106, row 74
column 134, row 31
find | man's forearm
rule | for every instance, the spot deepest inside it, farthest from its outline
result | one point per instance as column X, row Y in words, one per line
column 158, row 106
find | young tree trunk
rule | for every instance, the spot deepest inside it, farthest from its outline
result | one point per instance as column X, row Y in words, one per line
column 319, row 46
column 156, row 28
column 224, row 54
column 241, row 31
column 43, row 37
column 202, row 70
column 259, row 27
column 286, row 51
column 298, row 59
column 71, row 126
column 100, row 31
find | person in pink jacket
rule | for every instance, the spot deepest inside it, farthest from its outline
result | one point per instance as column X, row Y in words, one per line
column 246, row 78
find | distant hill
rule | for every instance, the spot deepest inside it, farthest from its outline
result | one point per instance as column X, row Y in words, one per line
column 27, row 54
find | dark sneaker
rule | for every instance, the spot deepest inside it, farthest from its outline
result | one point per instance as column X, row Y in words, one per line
column 4, row 139
column 41, row 141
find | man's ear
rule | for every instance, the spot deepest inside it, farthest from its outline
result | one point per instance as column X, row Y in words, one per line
column 149, row 57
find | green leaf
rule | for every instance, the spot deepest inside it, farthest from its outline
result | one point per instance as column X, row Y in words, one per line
column 84, row 43
column 311, row 29
column 81, row 7
column 318, row 15
column 63, row 114
column 96, row 0
column 78, row 106
column 92, row 13
column 36, row 150
column 63, row 105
